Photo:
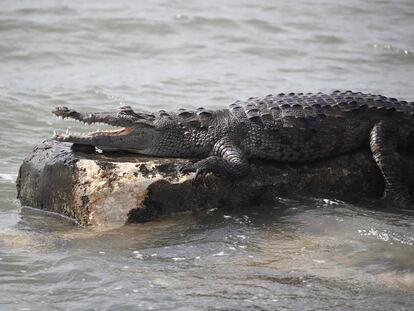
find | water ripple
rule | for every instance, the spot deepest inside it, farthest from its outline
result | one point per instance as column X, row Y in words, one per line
column 299, row 254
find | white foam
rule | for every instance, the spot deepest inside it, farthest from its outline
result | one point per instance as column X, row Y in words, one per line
column 8, row 177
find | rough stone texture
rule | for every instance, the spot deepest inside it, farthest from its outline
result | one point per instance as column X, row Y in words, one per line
column 99, row 188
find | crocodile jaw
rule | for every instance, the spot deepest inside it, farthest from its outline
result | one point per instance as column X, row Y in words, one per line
column 88, row 137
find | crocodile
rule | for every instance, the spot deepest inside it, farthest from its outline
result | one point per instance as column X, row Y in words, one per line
column 292, row 127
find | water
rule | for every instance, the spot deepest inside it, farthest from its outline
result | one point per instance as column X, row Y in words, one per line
column 308, row 254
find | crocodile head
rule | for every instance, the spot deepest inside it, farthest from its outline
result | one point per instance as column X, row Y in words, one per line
column 135, row 132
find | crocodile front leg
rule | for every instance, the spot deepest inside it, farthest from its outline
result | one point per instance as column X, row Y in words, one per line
column 226, row 160
column 383, row 143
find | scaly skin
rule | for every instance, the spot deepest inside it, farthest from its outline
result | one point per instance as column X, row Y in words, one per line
column 285, row 128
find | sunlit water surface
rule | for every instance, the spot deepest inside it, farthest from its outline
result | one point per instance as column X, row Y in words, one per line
column 301, row 254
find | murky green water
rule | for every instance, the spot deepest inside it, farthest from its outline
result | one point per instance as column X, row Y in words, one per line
column 307, row 254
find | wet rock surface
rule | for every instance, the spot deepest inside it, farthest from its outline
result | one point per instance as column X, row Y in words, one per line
column 96, row 188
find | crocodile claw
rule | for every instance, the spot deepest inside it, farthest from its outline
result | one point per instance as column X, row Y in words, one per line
column 187, row 168
column 200, row 172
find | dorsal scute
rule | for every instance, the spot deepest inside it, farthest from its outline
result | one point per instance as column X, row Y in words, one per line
column 323, row 106
column 237, row 110
column 273, row 109
column 163, row 114
column 185, row 114
column 205, row 114
column 200, row 118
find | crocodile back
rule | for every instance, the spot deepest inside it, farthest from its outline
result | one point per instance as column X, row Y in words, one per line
column 302, row 127
column 338, row 104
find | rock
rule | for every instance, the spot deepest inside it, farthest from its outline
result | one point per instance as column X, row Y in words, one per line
column 96, row 188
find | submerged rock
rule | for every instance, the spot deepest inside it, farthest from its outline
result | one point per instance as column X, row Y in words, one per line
column 96, row 188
